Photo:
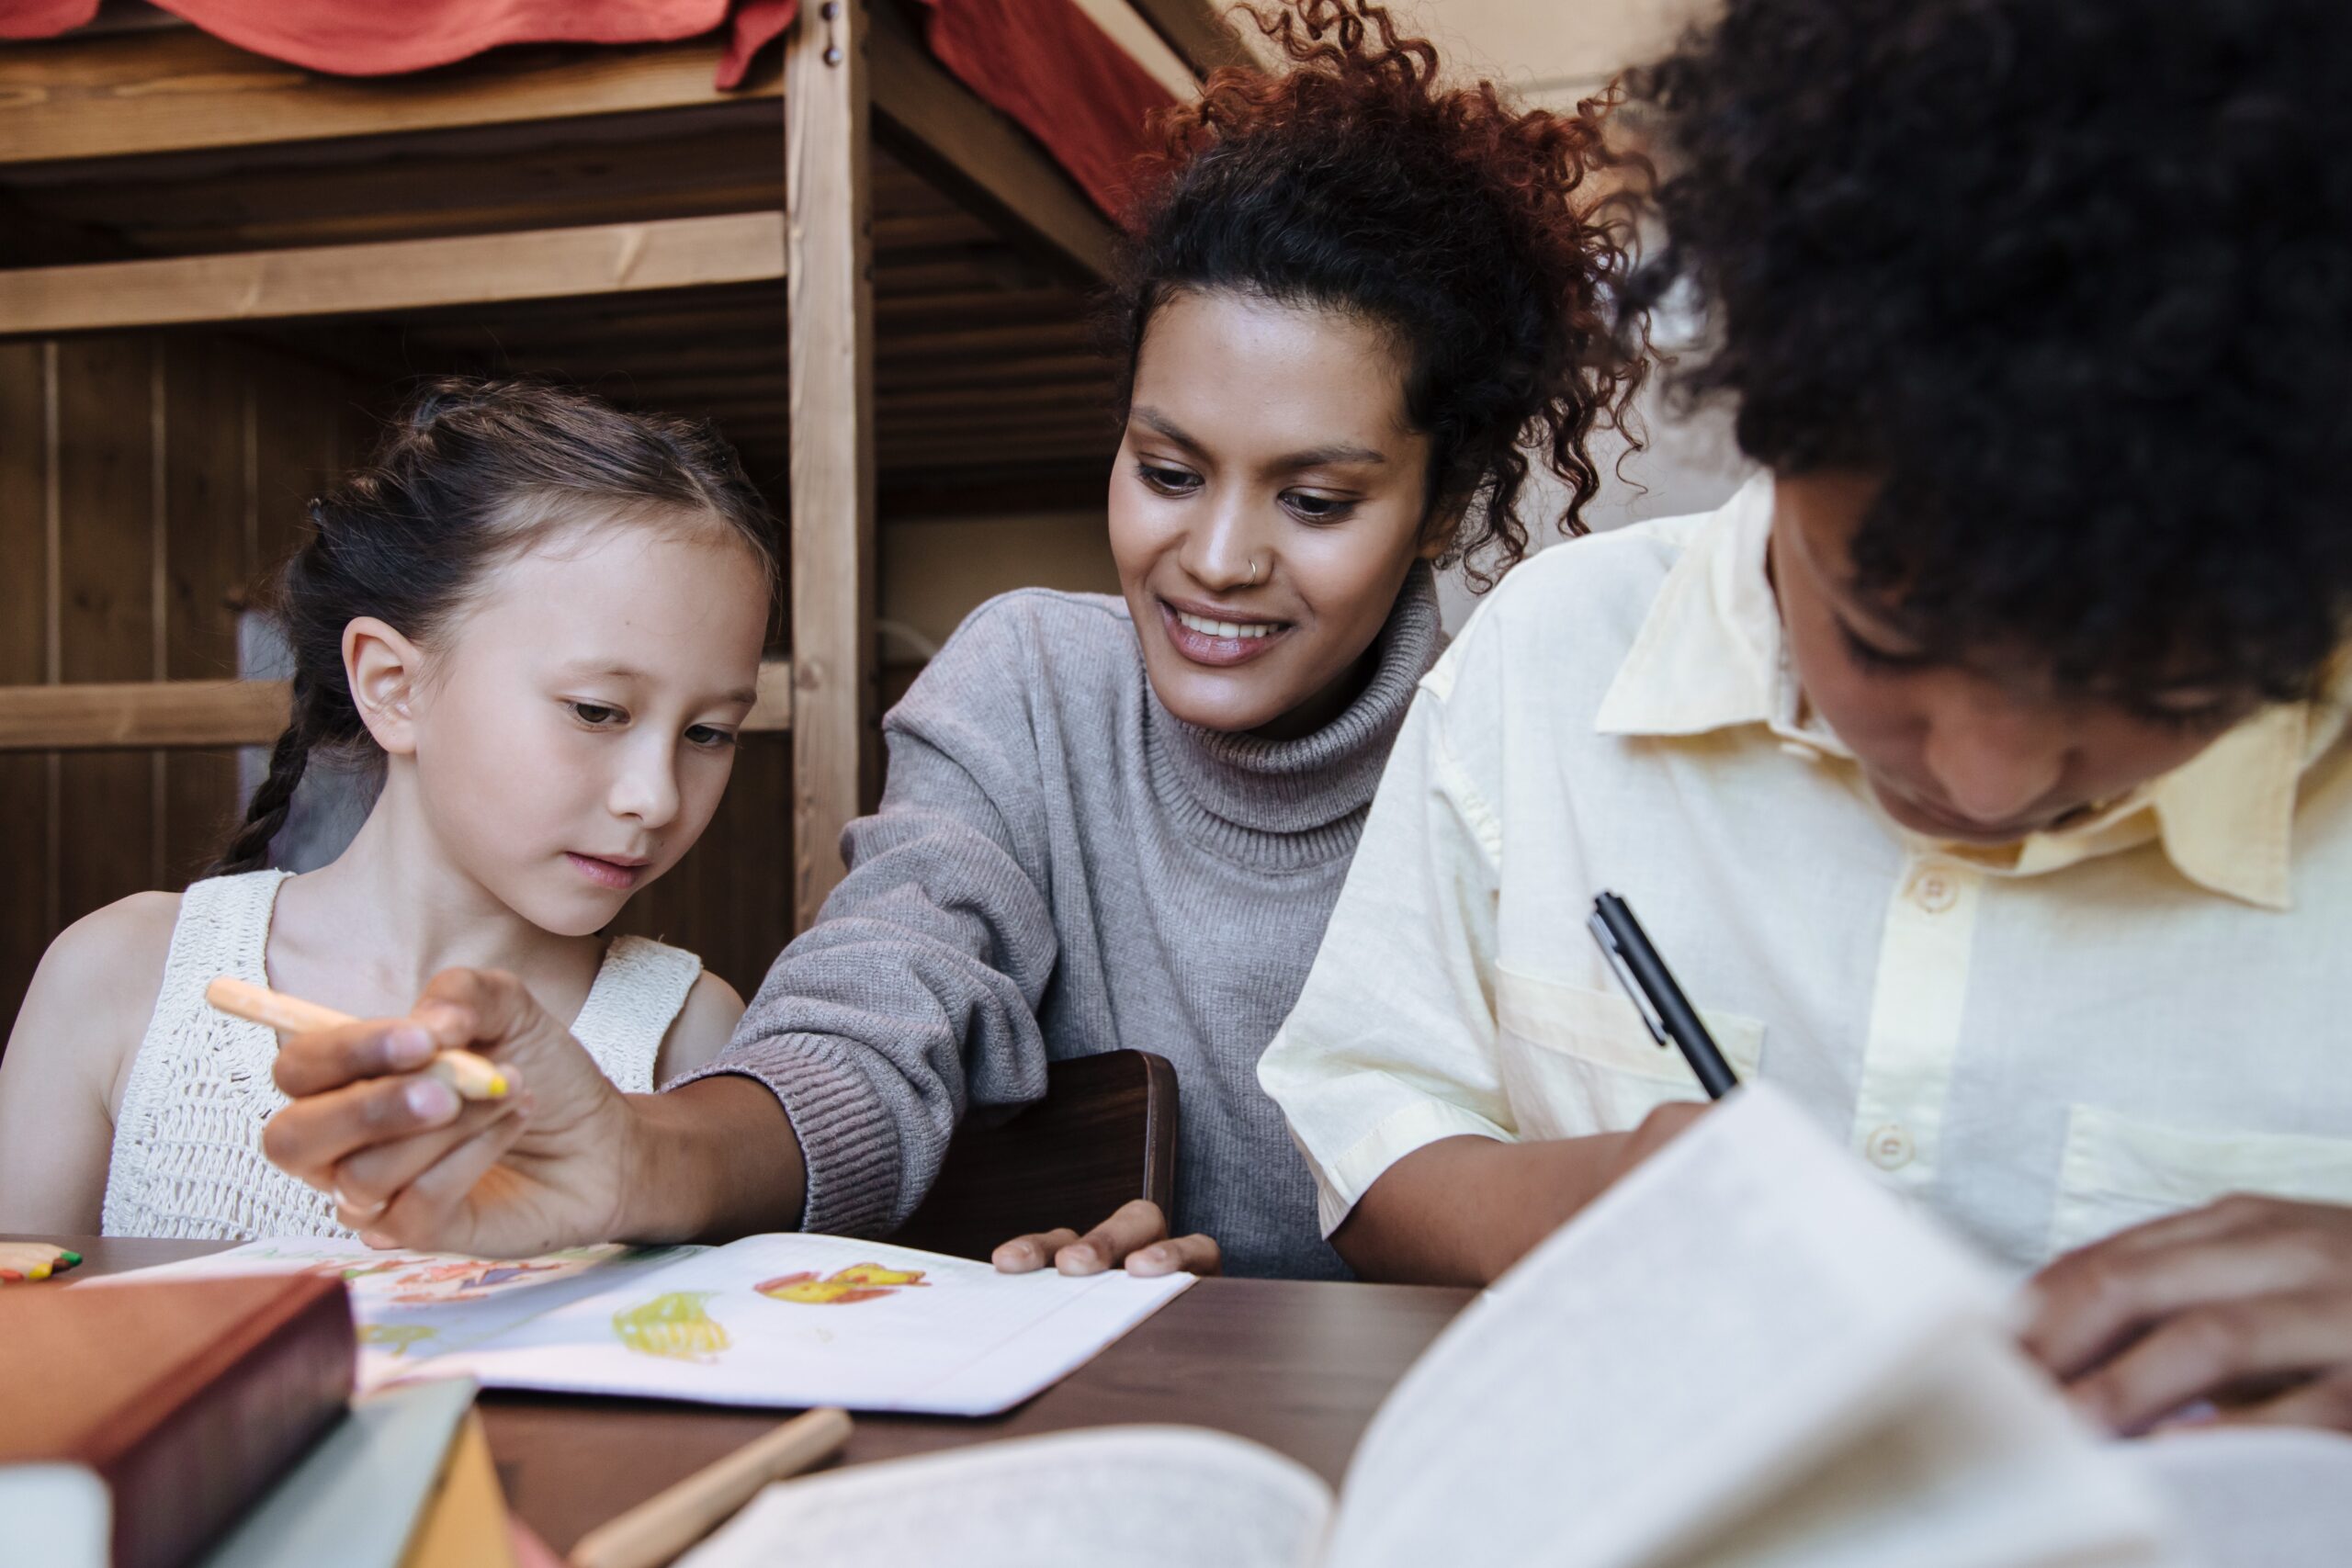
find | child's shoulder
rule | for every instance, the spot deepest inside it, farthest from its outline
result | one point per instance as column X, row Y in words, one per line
column 97, row 986
column 705, row 1022
column 128, row 937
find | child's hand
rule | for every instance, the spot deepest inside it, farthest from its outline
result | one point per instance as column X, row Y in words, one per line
column 2246, row 1302
column 411, row 1165
column 1137, row 1236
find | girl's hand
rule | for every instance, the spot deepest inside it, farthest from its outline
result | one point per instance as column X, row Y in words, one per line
column 2246, row 1303
column 1137, row 1236
column 409, row 1164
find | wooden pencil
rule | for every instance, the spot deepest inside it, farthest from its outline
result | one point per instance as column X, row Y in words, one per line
column 667, row 1523
column 473, row 1076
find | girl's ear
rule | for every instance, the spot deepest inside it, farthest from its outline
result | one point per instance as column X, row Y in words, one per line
column 383, row 669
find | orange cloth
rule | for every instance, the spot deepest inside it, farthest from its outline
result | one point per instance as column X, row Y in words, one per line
column 1044, row 62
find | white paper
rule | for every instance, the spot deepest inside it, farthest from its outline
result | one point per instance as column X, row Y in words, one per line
column 413, row 1308
column 1706, row 1334
column 1139, row 1496
column 784, row 1321
column 2256, row 1496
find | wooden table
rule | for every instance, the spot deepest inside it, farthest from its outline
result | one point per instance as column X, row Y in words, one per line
column 1297, row 1367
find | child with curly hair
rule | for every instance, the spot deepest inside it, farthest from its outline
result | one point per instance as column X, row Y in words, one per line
column 1981, row 765
column 1358, row 294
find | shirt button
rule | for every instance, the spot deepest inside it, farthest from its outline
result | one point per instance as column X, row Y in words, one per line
column 1891, row 1147
column 1935, row 889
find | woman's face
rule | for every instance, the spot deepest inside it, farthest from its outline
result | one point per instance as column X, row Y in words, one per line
column 1983, row 749
column 1268, row 501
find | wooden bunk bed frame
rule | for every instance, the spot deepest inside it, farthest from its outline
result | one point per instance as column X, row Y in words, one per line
column 166, row 108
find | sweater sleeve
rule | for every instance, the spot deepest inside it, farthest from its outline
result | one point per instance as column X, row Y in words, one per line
column 915, row 992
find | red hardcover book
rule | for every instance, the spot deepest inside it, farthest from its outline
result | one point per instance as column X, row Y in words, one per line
column 148, row 1416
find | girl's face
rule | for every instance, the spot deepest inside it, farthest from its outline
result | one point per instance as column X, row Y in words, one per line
column 577, row 725
column 1983, row 750
column 1268, row 500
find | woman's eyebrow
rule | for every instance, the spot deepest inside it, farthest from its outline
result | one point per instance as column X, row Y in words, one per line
column 1312, row 457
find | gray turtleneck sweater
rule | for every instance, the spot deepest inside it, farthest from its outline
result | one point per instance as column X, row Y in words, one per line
column 1061, row 867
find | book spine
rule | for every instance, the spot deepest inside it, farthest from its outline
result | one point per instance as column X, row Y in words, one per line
column 230, row 1428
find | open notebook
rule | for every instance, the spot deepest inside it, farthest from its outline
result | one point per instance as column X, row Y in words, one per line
column 787, row 1321
column 1748, row 1353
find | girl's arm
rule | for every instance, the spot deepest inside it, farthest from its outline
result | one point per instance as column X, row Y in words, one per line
column 82, row 1020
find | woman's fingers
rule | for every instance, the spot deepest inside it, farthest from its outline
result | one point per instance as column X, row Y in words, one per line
column 1135, row 1224
column 1027, row 1254
column 422, row 1213
column 324, row 1059
column 1184, row 1254
column 369, row 1178
column 318, row 1132
column 1131, row 1225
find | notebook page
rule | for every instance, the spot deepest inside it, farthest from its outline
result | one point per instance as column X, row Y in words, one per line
column 1983, row 1467
column 2254, row 1496
column 1141, row 1497
column 795, row 1321
column 1701, row 1334
column 413, row 1308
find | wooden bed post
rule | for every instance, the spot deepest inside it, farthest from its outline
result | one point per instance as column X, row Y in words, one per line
column 829, row 282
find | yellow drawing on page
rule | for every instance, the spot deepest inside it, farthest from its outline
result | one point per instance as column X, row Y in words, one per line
column 673, row 1324
column 858, row 1283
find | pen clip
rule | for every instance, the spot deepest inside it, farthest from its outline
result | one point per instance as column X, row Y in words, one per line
column 1633, row 988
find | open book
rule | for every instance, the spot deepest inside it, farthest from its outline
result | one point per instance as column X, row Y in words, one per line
column 787, row 1321
column 1747, row 1353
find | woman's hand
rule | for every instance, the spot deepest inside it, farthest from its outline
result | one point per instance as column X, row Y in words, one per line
column 409, row 1164
column 1137, row 1235
column 2245, row 1303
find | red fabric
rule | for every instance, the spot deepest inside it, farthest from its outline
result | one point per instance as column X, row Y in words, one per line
column 1061, row 78
column 1042, row 63
column 389, row 38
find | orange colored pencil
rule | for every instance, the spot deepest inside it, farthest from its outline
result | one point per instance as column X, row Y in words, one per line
column 473, row 1076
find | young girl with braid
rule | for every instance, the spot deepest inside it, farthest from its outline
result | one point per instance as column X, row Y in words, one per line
column 1360, row 300
column 544, row 618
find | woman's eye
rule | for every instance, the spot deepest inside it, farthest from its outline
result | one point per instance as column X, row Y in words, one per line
column 1317, row 508
column 596, row 716
column 715, row 740
column 1168, row 481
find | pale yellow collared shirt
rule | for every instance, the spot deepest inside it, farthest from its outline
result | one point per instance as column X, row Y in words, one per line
column 2044, row 1042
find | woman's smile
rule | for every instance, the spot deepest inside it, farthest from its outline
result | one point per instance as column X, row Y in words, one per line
column 1218, row 638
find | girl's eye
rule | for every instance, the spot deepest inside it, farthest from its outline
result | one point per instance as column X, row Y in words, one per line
column 1314, row 508
column 715, row 740
column 1168, row 481
column 595, row 715
column 1871, row 656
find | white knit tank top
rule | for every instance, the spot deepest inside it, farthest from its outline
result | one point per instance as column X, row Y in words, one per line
column 187, row 1159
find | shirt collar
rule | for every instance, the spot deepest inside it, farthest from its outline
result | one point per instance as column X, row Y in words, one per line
column 1710, row 656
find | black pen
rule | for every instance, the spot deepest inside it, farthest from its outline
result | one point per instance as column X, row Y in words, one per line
column 1666, row 1011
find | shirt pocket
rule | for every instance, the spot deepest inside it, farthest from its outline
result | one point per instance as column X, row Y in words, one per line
column 1576, row 1061
column 2118, row 1172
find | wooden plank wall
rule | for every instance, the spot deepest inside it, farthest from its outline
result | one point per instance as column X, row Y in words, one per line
column 147, row 483
column 145, row 480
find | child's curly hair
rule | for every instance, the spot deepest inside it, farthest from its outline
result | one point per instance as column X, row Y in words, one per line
column 1473, row 231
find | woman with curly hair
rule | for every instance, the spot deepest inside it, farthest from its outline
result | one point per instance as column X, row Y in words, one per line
column 1981, row 764
column 1356, row 299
